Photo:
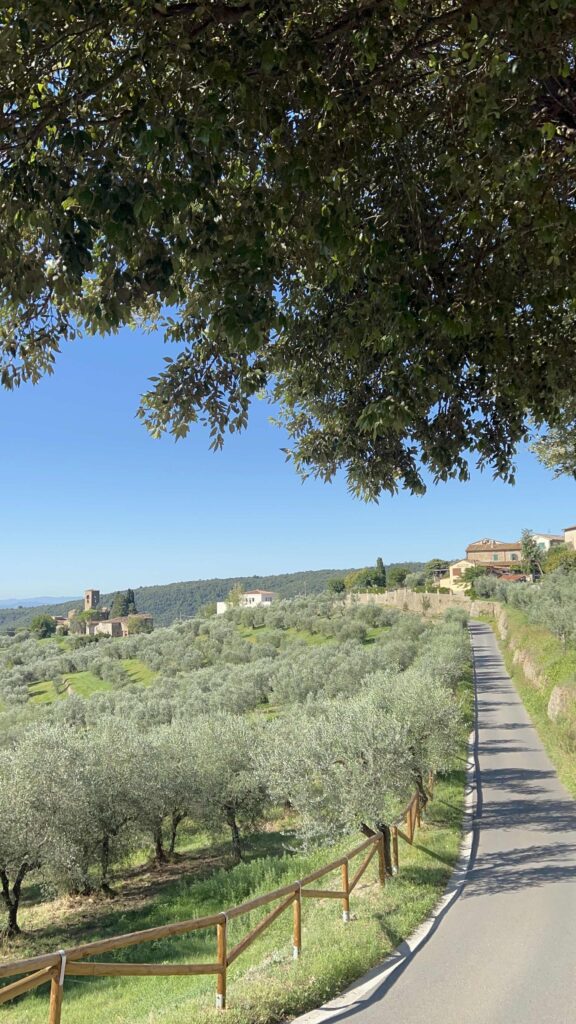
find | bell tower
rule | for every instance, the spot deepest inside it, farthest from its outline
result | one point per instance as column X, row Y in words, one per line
column 91, row 600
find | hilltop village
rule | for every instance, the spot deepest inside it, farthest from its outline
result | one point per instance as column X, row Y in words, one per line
column 99, row 620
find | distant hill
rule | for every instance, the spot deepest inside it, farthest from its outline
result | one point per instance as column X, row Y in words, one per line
column 33, row 602
column 174, row 601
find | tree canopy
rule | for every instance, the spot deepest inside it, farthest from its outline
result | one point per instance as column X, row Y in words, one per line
column 43, row 625
column 363, row 209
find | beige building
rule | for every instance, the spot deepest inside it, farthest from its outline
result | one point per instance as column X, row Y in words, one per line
column 545, row 541
column 570, row 536
column 118, row 626
column 496, row 553
column 454, row 582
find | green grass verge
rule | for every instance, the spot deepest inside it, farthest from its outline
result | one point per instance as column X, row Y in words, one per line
column 558, row 667
column 264, row 984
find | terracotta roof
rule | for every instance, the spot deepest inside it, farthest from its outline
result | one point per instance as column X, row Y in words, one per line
column 248, row 592
column 569, row 528
column 494, row 545
column 512, row 577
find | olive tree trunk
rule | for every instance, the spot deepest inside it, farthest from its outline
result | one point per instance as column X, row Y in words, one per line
column 11, row 897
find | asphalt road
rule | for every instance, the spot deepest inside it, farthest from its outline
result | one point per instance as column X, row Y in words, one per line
column 505, row 950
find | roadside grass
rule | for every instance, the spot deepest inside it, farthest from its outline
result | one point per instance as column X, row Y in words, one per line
column 264, row 984
column 559, row 669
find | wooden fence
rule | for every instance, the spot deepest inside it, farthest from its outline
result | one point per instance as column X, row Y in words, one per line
column 54, row 967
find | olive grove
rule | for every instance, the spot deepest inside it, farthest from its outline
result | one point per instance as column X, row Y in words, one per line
column 238, row 721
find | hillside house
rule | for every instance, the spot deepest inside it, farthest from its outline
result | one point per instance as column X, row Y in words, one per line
column 545, row 541
column 119, row 626
column 250, row 599
column 498, row 554
column 570, row 536
column 453, row 581
column 255, row 597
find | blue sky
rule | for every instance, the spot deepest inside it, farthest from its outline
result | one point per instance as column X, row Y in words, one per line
column 88, row 499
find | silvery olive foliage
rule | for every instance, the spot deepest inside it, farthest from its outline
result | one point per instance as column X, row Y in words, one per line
column 234, row 722
column 550, row 603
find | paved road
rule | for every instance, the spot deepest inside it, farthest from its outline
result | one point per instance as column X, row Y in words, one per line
column 505, row 951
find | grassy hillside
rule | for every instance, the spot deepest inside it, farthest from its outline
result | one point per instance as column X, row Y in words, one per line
column 175, row 601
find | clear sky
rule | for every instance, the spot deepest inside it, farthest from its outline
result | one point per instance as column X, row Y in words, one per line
column 88, row 499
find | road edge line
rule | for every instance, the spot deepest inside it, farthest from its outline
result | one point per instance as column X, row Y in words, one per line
column 381, row 976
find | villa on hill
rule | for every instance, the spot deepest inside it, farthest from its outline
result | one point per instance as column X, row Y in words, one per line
column 500, row 558
column 249, row 599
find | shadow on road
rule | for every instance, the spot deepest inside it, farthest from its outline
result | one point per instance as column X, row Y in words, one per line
column 520, row 868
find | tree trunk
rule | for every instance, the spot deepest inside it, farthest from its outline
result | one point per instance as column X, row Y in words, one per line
column 159, row 852
column 176, row 819
column 12, row 898
column 236, row 842
column 421, row 789
column 105, row 866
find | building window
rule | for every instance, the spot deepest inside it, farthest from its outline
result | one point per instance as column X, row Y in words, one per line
column 514, row 556
column 494, row 558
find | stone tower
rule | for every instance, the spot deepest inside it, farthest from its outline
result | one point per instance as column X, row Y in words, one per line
column 91, row 600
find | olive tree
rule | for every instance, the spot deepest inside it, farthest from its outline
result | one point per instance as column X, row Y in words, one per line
column 166, row 778
column 23, row 826
column 340, row 765
column 231, row 792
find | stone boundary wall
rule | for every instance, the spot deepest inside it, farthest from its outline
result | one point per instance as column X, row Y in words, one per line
column 562, row 698
column 425, row 604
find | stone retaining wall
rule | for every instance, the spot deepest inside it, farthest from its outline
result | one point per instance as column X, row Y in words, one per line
column 425, row 604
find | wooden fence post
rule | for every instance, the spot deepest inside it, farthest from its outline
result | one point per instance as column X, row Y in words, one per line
column 57, row 990
column 384, row 850
column 345, row 889
column 395, row 861
column 381, row 858
column 297, row 932
column 221, row 957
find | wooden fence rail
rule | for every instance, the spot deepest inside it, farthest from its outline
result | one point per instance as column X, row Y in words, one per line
column 53, row 967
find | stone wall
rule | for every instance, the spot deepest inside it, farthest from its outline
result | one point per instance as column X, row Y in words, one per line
column 520, row 657
column 425, row 604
